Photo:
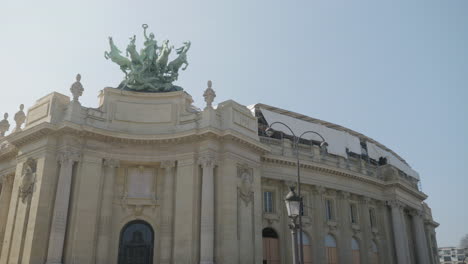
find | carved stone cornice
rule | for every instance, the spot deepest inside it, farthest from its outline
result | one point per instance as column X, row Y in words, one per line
column 168, row 164
column 326, row 169
column 111, row 163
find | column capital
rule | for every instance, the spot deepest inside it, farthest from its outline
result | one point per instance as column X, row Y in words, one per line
column 207, row 160
column 396, row 204
column 111, row 163
column 343, row 195
column 365, row 200
column 168, row 164
column 7, row 179
column 416, row 213
column 68, row 156
column 318, row 189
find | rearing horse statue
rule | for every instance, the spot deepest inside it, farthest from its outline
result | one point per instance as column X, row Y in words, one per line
column 115, row 56
column 161, row 61
column 175, row 65
column 131, row 49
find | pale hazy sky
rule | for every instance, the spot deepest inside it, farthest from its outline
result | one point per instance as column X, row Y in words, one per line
column 396, row 71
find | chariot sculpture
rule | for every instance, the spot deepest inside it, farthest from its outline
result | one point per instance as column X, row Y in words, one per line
column 149, row 70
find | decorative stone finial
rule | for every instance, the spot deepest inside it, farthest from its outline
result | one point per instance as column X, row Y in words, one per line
column 4, row 125
column 20, row 117
column 209, row 95
column 76, row 88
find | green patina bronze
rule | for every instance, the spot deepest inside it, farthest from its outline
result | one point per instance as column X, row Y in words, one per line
column 149, row 70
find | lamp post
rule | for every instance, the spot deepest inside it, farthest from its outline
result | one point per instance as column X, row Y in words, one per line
column 269, row 131
column 293, row 207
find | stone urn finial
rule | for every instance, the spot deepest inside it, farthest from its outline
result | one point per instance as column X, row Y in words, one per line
column 20, row 117
column 76, row 88
column 209, row 95
column 4, row 125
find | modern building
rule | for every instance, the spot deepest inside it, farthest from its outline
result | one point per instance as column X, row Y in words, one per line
column 453, row 255
column 149, row 178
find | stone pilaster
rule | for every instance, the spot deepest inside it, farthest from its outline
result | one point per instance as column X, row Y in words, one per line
column 6, row 182
column 399, row 232
column 422, row 251
column 185, row 211
column 319, row 224
column 62, row 199
column 366, row 229
column 167, row 229
column 105, row 219
column 344, row 222
column 207, row 163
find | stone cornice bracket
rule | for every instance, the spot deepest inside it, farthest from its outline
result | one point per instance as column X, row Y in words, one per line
column 20, row 117
column 396, row 204
column 77, row 89
column 68, row 157
column 209, row 95
column 111, row 163
column 207, row 160
column 168, row 164
column 4, row 125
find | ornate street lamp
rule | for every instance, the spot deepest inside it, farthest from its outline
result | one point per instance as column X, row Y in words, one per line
column 269, row 132
column 293, row 207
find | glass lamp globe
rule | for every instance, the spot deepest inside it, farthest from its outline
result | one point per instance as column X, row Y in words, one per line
column 293, row 203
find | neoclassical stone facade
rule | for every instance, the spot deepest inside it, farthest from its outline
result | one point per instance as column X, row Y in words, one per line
column 149, row 178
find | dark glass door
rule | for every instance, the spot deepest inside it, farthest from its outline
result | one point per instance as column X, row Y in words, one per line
column 136, row 243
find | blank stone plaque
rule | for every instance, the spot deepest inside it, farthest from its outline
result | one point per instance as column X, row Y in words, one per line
column 140, row 182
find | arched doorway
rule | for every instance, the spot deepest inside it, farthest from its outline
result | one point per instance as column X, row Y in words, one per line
column 374, row 254
column 331, row 251
column 270, row 246
column 136, row 243
column 306, row 248
column 355, row 251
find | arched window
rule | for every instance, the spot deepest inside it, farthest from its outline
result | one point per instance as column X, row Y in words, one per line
column 136, row 243
column 374, row 254
column 270, row 246
column 306, row 248
column 331, row 251
column 355, row 251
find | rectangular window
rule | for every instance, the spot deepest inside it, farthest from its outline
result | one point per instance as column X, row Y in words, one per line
column 354, row 213
column 329, row 210
column 268, row 202
column 372, row 217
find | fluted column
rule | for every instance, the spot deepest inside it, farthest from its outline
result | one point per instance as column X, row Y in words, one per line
column 60, row 215
column 105, row 219
column 207, row 211
column 422, row 251
column 168, row 212
column 399, row 232
column 5, row 196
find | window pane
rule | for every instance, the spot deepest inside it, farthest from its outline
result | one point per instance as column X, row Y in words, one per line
column 268, row 202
